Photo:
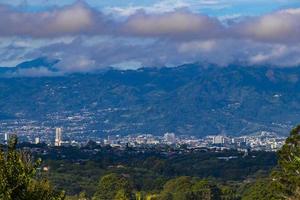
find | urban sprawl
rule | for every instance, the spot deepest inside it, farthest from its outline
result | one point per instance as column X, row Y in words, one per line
column 260, row 141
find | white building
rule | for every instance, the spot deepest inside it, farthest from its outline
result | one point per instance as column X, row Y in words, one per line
column 58, row 137
column 170, row 138
column 6, row 137
column 219, row 139
column 37, row 140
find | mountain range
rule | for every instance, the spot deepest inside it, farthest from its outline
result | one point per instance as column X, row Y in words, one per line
column 191, row 99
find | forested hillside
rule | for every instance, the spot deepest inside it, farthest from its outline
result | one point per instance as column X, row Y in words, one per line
column 189, row 99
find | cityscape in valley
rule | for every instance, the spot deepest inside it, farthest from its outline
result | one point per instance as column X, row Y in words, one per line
column 262, row 141
column 149, row 100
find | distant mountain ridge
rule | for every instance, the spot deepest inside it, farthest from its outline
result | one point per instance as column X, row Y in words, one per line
column 189, row 99
column 41, row 62
column 38, row 62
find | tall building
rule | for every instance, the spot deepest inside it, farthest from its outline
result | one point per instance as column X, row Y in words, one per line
column 6, row 137
column 37, row 140
column 58, row 137
column 219, row 139
column 170, row 138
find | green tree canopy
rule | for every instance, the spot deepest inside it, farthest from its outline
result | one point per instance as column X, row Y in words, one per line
column 18, row 176
column 187, row 188
column 284, row 182
column 114, row 187
column 286, row 178
column 206, row 190
column 261, row 190
column 177, row 189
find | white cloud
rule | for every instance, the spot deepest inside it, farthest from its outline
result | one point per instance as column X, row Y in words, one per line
column 175, row 24
column 277, row 52
column 76, row 19
column 85, row 39
column 81, row 19
column 197, row 46
column 281, row 26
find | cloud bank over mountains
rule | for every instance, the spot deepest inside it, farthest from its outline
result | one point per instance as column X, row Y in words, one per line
column 80, row 19
column 85, row 38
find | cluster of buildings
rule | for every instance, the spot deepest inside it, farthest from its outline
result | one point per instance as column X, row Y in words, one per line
column 142, row 139
column 261, row 141
column 78, row 127
column 37, row 140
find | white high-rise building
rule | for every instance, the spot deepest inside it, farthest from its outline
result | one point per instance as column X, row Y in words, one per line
column 6, row 137
column 170, row 138
column 37, row 140
column 219, row 139
column 58, row 137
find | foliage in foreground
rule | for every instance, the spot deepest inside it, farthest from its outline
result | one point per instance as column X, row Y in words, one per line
column 19, row 181
column 284, row 182
column 18, row 177
column 287, row 177
column 114, row 187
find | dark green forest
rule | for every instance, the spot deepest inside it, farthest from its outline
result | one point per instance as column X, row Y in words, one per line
column 149, row 171
column 153, row 173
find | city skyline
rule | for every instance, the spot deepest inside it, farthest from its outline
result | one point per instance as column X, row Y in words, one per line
column 260, row 141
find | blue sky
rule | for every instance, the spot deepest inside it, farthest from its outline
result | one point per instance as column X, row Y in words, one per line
column 92, row 34
column 209, row 7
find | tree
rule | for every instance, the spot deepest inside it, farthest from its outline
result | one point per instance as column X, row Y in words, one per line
column 187, row 188
column 114, row 187
column 177, row 189
column 229, row 193
column 262, row 189
column 206, row 190
column 122, row 195
column 284, row 182
column 286, row 178
column 82, row 196
column 18, row 176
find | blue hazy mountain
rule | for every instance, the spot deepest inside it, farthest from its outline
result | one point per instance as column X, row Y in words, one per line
column 189, row 99
column 38, row 62
column 41, row 62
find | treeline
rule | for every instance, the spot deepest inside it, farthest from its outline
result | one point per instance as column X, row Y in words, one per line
column 117, row 187
column 149, row 170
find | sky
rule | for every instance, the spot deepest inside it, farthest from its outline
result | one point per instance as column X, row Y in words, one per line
column 93, row 34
